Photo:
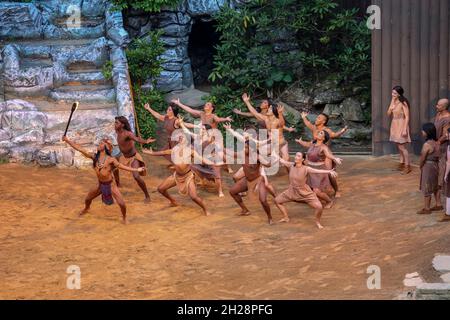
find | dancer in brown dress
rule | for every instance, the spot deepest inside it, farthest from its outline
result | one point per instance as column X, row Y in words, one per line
column 207, row 116
column 104, row 165
column 252, row 182
column 319, row 156
column 129, row 155
column 319, row 125
column 170, row 123
column 299, row 190
column 183, row 177
column 429, row 159
column 399, row 110
column 442, row 123
column 446, row 216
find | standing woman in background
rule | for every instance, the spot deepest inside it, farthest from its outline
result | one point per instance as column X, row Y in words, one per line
column 399, row 110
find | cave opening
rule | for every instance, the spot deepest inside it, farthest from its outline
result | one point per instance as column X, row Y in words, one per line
column 201, row 50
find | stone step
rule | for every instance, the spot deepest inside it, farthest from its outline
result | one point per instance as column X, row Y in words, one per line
column 47, row 105
column 85, row 93
column 49, row 42
column 85, row 22
column 31, row 62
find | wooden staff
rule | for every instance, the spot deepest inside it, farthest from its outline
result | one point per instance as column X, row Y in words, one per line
column 74, row 107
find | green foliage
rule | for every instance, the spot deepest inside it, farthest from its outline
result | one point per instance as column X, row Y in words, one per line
column 145, row 5
column 144, row 58
column 107, row 70
column 326, row 38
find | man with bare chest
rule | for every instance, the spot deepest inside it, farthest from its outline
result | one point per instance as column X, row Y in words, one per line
column 129, row 155
column 104, row 165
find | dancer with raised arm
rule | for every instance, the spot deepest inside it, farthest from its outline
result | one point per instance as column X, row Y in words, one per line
column 207, row 116
column 274, row 120
column 104, row 165
column 320, row 157
column 183, row 177
column 399, row 111
column 129, row 155
column 299, row 190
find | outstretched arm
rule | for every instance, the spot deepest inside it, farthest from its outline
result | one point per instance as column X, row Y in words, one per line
column 335, row 135
column 244, row 114
column 77, row 147
column 330, row 155
column 252, row 110
column 117, row 164
column 282, row 161
column 139, row 139
column 219, row 119
column 307, row 123
column 157, row 153
column 305, row 144
column 195, row 113
column 157, row 115
column 281, row 119
column 289, row 129
column 331, row 172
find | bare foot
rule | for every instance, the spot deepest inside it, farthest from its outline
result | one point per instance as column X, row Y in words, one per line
column 147, row 200
column 174, row 204
column 329, row 205
column 125, row 221
column 284, row 220
column 243, row 194
column 221, row 195
column 319, row 225
column 207, row 213
column 83, row 212
column 270, row 222
column 244, row 213
column 338, row 195
column 230, row 171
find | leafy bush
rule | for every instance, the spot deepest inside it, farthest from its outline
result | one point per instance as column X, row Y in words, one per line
column 107, row 70
column 322, row 39
column 144, row 58
column 145, row 5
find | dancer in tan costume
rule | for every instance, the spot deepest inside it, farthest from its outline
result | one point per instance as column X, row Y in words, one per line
column 442, row 124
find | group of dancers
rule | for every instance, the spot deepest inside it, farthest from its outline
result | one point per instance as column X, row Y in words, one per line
column 435, row 155
column 312, row 175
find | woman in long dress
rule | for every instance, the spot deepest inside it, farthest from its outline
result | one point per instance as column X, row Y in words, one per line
column 400, row 134
column 429, row 166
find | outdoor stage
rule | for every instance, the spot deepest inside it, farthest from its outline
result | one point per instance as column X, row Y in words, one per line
column 177, row 253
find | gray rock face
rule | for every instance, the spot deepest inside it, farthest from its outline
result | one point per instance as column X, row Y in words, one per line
column 197, row 8
column 351, row 110
column 68, row 43
column 331, row 96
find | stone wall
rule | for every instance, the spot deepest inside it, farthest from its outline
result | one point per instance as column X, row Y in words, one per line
column 49, row 60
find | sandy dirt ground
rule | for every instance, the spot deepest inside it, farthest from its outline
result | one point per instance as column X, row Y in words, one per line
column 177, row 253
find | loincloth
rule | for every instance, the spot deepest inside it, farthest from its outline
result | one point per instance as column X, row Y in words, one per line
column 183, row 182
column 106, row 190
column 128, row 161
column 252, row 188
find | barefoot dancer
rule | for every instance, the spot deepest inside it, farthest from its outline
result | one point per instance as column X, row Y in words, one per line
column 299, row 190
column 207, row 116
column 274, row 120
column 170, row 120
column 442, row 123
column 399, row 110
column 319, row 125
column 253, row 181
column 429, row 166
column 104, row 165
column 129, row 156
column 319, row 156
column 183, row 176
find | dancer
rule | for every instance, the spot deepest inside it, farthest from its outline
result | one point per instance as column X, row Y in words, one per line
column 446, row 215
column 208, row 172
column 399, row 110
column 104, row 165
column 252, row 182
column 207, row 116
column 129, row 156
column 429, row 159
column 274, row 120
column 442, row 123
column 183, row 177
column 319, row 156
column 299, row 190
column 319, row 125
